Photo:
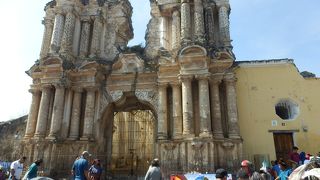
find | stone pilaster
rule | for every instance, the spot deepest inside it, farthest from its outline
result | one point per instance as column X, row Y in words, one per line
column 43, row 112
column 57, row 114
column 185, row 22
column 75, row 115
column 204, row 106
column 163, row 112
column 216, row 107
column 89, row 114
column 224, row 25
column 85, row 37
column 57, row 32
column 96, row 37
column 199, row 21
column 187, row 105
column 47, row 35
column 176, row 29
column 233, row 126
column 177, row 110
column 76, row 36
column 67, row 38
column 33, row 113
column 210, row 25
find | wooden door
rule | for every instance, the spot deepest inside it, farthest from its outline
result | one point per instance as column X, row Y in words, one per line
column 283, row 143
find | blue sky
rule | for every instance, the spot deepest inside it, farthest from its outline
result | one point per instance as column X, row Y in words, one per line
column 260, row 29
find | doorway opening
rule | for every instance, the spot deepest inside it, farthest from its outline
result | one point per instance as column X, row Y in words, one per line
column 283, row 143
column 132, row 142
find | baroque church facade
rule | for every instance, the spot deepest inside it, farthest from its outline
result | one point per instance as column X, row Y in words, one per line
column 174, row 100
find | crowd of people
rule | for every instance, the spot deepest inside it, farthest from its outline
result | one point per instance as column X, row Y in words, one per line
column 86, row 168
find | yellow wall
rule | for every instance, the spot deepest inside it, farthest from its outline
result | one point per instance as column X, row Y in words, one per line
column 259, row 88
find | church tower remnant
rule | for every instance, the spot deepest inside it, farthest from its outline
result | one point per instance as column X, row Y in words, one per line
column 86, row 75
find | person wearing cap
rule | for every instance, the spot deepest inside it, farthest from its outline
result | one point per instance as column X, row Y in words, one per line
column 221, row 174
column 16, row 168
column 80, row 168
column 247, row 166
column 154, row 172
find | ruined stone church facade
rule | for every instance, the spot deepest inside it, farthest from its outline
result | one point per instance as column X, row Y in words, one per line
column 174, row 100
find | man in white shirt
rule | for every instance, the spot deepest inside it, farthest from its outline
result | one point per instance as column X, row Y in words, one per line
column 16, row 169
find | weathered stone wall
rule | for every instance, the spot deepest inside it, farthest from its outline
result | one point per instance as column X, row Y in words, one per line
column 11, row 134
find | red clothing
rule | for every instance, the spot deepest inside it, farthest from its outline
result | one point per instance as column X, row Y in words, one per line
column 294, row 156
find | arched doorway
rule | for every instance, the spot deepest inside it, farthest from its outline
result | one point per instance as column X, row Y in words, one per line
column 130, row 136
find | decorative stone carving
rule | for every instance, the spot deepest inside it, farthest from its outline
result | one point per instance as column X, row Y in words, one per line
column 128, row 63
column 116, row 95
column 185, row 23
column 67, row 38
column 57, row 33
column 148, row 95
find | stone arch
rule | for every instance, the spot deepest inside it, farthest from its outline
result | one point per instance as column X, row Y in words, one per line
column 123, row 102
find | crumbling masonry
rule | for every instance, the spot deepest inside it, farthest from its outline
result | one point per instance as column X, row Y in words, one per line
column 87, row 84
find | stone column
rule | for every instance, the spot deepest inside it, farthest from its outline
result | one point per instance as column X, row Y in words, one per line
column 57, row 114
column 75, row 115
column 176, row 29
column 163, row 112
column 33, row 113
column 57, row 32
column 224, row 25
column 198, row 21
column 185, row 22
column 89, row 114
column 177, row 110
column 233, row 126
column 163, row 32
column 187, row 105
column 43, row 112
column 85, row 37
column 76, row 37
column 47, row 35
column 210, row 25
column 67, row 38
column 96, row 37
column 216, row 107
column 204, row 106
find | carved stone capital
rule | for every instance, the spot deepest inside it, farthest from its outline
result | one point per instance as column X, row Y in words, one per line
column 230, row 79
column 203, row 76
column 35, row 91
column 77, row 89
column 91, row 89
column 85, row 18
column 184, row 78
column 46, row 87
column 116, row 95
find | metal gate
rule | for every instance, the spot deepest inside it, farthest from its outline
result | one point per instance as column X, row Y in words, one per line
column 132, row 143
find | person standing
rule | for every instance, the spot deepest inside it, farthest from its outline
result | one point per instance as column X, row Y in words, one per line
column 154, row 172
column 95, row 170
column 16, row 168
column 33, row 169
column 284, row 172
column 2, row 173
column 294, row 156
column 80, row 168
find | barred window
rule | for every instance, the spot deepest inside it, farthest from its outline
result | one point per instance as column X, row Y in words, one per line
column 287, row 109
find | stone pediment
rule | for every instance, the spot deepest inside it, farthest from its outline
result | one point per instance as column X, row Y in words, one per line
column 128, row 63
column 52, row 61
column 193, row 51
column 193, row 59
column 89, row 65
